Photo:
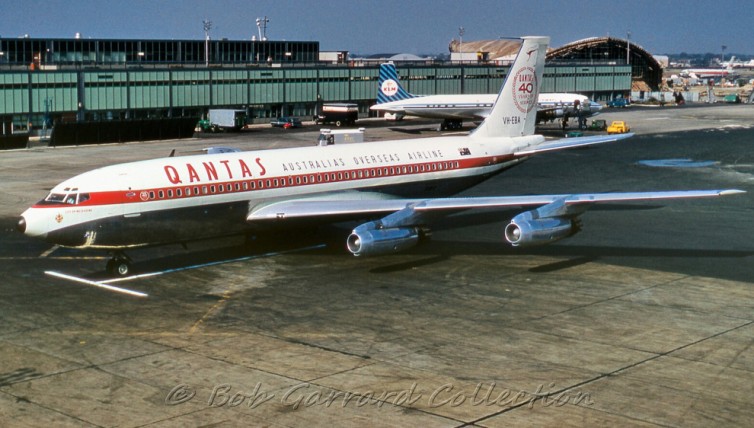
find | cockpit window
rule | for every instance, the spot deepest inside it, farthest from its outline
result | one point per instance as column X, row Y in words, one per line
column 65, row 198
column 55, row 197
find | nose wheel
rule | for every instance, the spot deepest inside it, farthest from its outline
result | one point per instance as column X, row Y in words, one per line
column 119, row 265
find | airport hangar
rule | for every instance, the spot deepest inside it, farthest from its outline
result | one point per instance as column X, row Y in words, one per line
column 45, row 81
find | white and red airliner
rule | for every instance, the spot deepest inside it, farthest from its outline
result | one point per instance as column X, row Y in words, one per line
column 389, row 184
column 393, row 98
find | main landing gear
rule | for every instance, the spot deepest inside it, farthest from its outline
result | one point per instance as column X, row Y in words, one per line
column 119, row 264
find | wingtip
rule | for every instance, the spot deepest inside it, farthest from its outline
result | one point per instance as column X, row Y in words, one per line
column 727, row 192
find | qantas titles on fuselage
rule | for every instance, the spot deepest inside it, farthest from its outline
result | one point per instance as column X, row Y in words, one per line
column 210, row 168
column 208, row 171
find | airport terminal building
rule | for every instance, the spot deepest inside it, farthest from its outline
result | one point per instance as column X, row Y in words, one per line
column 44, row 81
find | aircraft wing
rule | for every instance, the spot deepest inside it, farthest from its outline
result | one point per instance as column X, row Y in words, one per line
column 371, row 204
column 569, row 143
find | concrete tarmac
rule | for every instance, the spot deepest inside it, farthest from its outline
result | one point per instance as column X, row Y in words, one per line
column 644, row 318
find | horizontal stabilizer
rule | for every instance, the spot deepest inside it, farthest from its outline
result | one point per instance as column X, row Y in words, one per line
column 571, row 143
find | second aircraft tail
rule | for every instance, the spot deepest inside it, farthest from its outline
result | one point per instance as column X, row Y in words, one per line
column 389, row 86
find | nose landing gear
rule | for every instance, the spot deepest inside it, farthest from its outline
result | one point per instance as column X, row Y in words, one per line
column 119, row 265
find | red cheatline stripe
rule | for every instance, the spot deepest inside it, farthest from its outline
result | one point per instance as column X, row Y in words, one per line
column 198, row 189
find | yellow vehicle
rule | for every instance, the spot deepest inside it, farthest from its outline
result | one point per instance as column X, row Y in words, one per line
column 618, row 127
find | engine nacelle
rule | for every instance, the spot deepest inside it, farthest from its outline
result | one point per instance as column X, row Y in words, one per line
column 531, row 232
column 550, row 114
column 365, row 241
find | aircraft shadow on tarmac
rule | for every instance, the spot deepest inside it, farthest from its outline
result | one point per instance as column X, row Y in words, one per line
column 330, row 241
column 715, row 263
column 415, row 131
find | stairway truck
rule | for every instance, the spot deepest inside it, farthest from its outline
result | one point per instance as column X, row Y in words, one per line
column 227, row 119
column 338, row 114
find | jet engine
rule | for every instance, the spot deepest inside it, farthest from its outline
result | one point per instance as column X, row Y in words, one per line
column 391, row 234
column 528, row 233
column 372, row 242
column 546, row 224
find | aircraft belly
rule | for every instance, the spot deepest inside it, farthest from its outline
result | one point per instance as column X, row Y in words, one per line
column 156, row 227
column 444, row 113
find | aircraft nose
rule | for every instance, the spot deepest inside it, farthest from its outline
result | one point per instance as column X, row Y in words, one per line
column 21, row 225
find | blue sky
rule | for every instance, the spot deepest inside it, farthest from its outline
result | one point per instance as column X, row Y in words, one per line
column 413, row 26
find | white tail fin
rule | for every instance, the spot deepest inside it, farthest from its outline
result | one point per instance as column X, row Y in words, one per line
column 515, row 110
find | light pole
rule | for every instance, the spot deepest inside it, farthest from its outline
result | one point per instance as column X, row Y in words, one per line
column 628, row 47
column 262, row 28
column 461, row 31
column 207, row 26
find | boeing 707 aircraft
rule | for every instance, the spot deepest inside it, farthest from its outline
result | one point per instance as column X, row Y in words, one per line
column 453, row 109
column 388, row 186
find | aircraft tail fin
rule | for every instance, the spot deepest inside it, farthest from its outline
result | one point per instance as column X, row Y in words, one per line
column 389, row 86
column 515, row 110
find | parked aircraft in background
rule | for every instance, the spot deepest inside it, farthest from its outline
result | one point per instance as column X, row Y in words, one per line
column 390, row 186
column 706, row 73
column 737, row 63
column 392, row 98
column 732, row 63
